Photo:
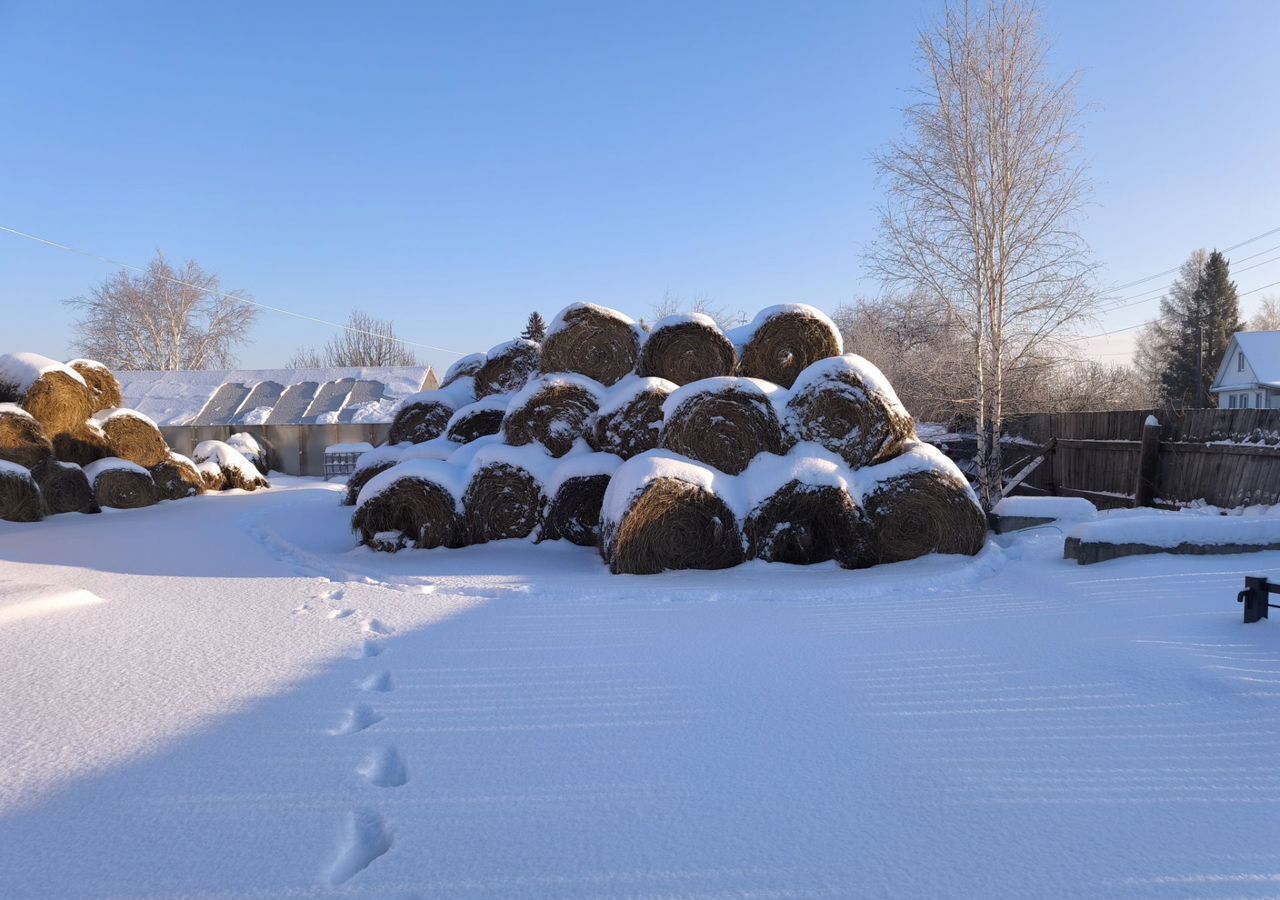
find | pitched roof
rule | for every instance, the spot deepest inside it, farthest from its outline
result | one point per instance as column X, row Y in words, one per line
column 1262, row 350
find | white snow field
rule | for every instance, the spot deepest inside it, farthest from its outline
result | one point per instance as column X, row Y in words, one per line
column 221, row 698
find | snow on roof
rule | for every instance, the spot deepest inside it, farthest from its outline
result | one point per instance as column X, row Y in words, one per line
column 1262, row 350
column 23, row 369
column 273, row 396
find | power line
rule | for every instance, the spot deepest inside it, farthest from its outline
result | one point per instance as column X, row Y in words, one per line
column 1257, row 237
column 1089, row 337
column 223, row 294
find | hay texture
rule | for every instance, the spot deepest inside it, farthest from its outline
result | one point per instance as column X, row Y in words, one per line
column 506, row 495
column 802, row 510
column 55, row 394
column 82, row 445
column 467, row 367
column 19, row 494
column 176, row 478
column 237, row 472
column 662, row 512
column 920, row 503
column 687, row 348
column 629, row 420
column 211, row 475
column 847, row 405
column 131, row 435
column 476, row 420
column 120, row 484
column 782, row 341
column 423, row 416
column 371, row 462
column 552, row 410
column 64, row 488
column 418, row 500
column 577, row 494
column 723, row 422
column 22, row 440
column 595, row 341
column 508, row 367
column 103, row 386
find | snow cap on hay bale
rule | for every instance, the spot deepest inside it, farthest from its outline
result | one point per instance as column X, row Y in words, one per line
column 420, row 499
column 64, row 488
column 131, row 435
column 237, row 472
column 802, row 511
column 594, row 341
column 506, row 492
column 577, row 491
column 19, row 494
column 552, row 410
column 104, row 388
column 423, row 416
column 784, row 340
column 920, row 503
column 55, row 394
column 120, row 484
column 212, row 475
column 22, row 440
column 176, row 478
column 847, row 405
column 687, row 348
column 507, row 367
column 664, row 512
column 81, row 445
column 723, row 422
column 475, row 420
column 370, row 463
column 467, row 367
column 629, row 420
column 251, row 449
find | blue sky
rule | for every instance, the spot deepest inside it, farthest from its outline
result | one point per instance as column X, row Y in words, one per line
column 454, row 166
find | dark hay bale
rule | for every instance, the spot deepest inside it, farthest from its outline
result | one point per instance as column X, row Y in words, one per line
column 503, row 500
column 508, row 367
column 370, row 464
column 573, row 513
column 22, row 440
column 591, row 340
column 418, row 500
column 422, row 417
column 478, row 419
column 552, row 410
column 785, row 340
column 672, row 524
column 847, row 405
column 132, row 436
column 103, row 386
column 629, row 421
column 177, row 477
column 466, row 367
column 55, row 394
column 684, row 349
column 64, row 488
column 83, row 445
column 211, row 475
column 237, row 473
column 119, row 484
column 19, row 495
column 808, row 523
column 929, row 510
column 723, row 422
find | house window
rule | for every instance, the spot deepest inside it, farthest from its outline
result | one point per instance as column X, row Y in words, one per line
column 1231, row 401
column 1239, row 362
column 1259, row 397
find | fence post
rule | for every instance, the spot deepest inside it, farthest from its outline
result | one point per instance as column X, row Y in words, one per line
column 1144, row 492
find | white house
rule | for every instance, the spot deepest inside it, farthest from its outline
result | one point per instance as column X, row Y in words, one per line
column 1249, row 377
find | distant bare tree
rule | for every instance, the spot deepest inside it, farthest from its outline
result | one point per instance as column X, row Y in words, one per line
column 163, row 318
column 672, row 303
column 365, row 341
column 1267, row 318
column 982, row 201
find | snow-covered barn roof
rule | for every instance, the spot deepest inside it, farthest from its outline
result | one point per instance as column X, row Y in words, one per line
column 274, row 396
column 1261, row 350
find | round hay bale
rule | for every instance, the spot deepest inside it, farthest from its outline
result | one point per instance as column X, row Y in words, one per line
column 467, row 367
column 785, row 340
column 82, row 445
column 847, row 405
column 662, row 512
column 64, row 488
column 131, row 435
column 22, row 440
column 421, row 417
column 211, row 475
column 723, row 422
column 103, row 385
column 237, row 472
column 176, row 478
column 505, row 497
column 508, row 367
column 55, row 394
column 577, row 494
column 251, row 449
column 418, row 499
column 803, row 511
column 370, row 463
column 591, row 340
column 19, row 494
column 552, row 410
column 687, row 348
column 629, row 420
column 120, row 484
column 920, row 503
column 476, row 420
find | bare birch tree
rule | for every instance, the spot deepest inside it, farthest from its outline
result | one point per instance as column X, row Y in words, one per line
column 1267, row 318
column 672, row 304
column 982, row 200
column 163, row 318
column 365, row 341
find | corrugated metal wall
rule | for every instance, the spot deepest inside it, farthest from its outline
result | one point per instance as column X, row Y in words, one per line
column 293, row 449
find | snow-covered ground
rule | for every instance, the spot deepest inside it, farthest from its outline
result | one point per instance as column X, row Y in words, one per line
column 221, row 698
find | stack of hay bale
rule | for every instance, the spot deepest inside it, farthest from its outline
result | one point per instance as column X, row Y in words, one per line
column 679, row 447
column 68, row 445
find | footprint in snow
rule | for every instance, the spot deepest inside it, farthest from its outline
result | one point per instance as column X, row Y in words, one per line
column 341, row 613
column 358, row 718
column 379, row 683
column 384, row 768
column 368, row 650
column 373, row 626
column 365, row 838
